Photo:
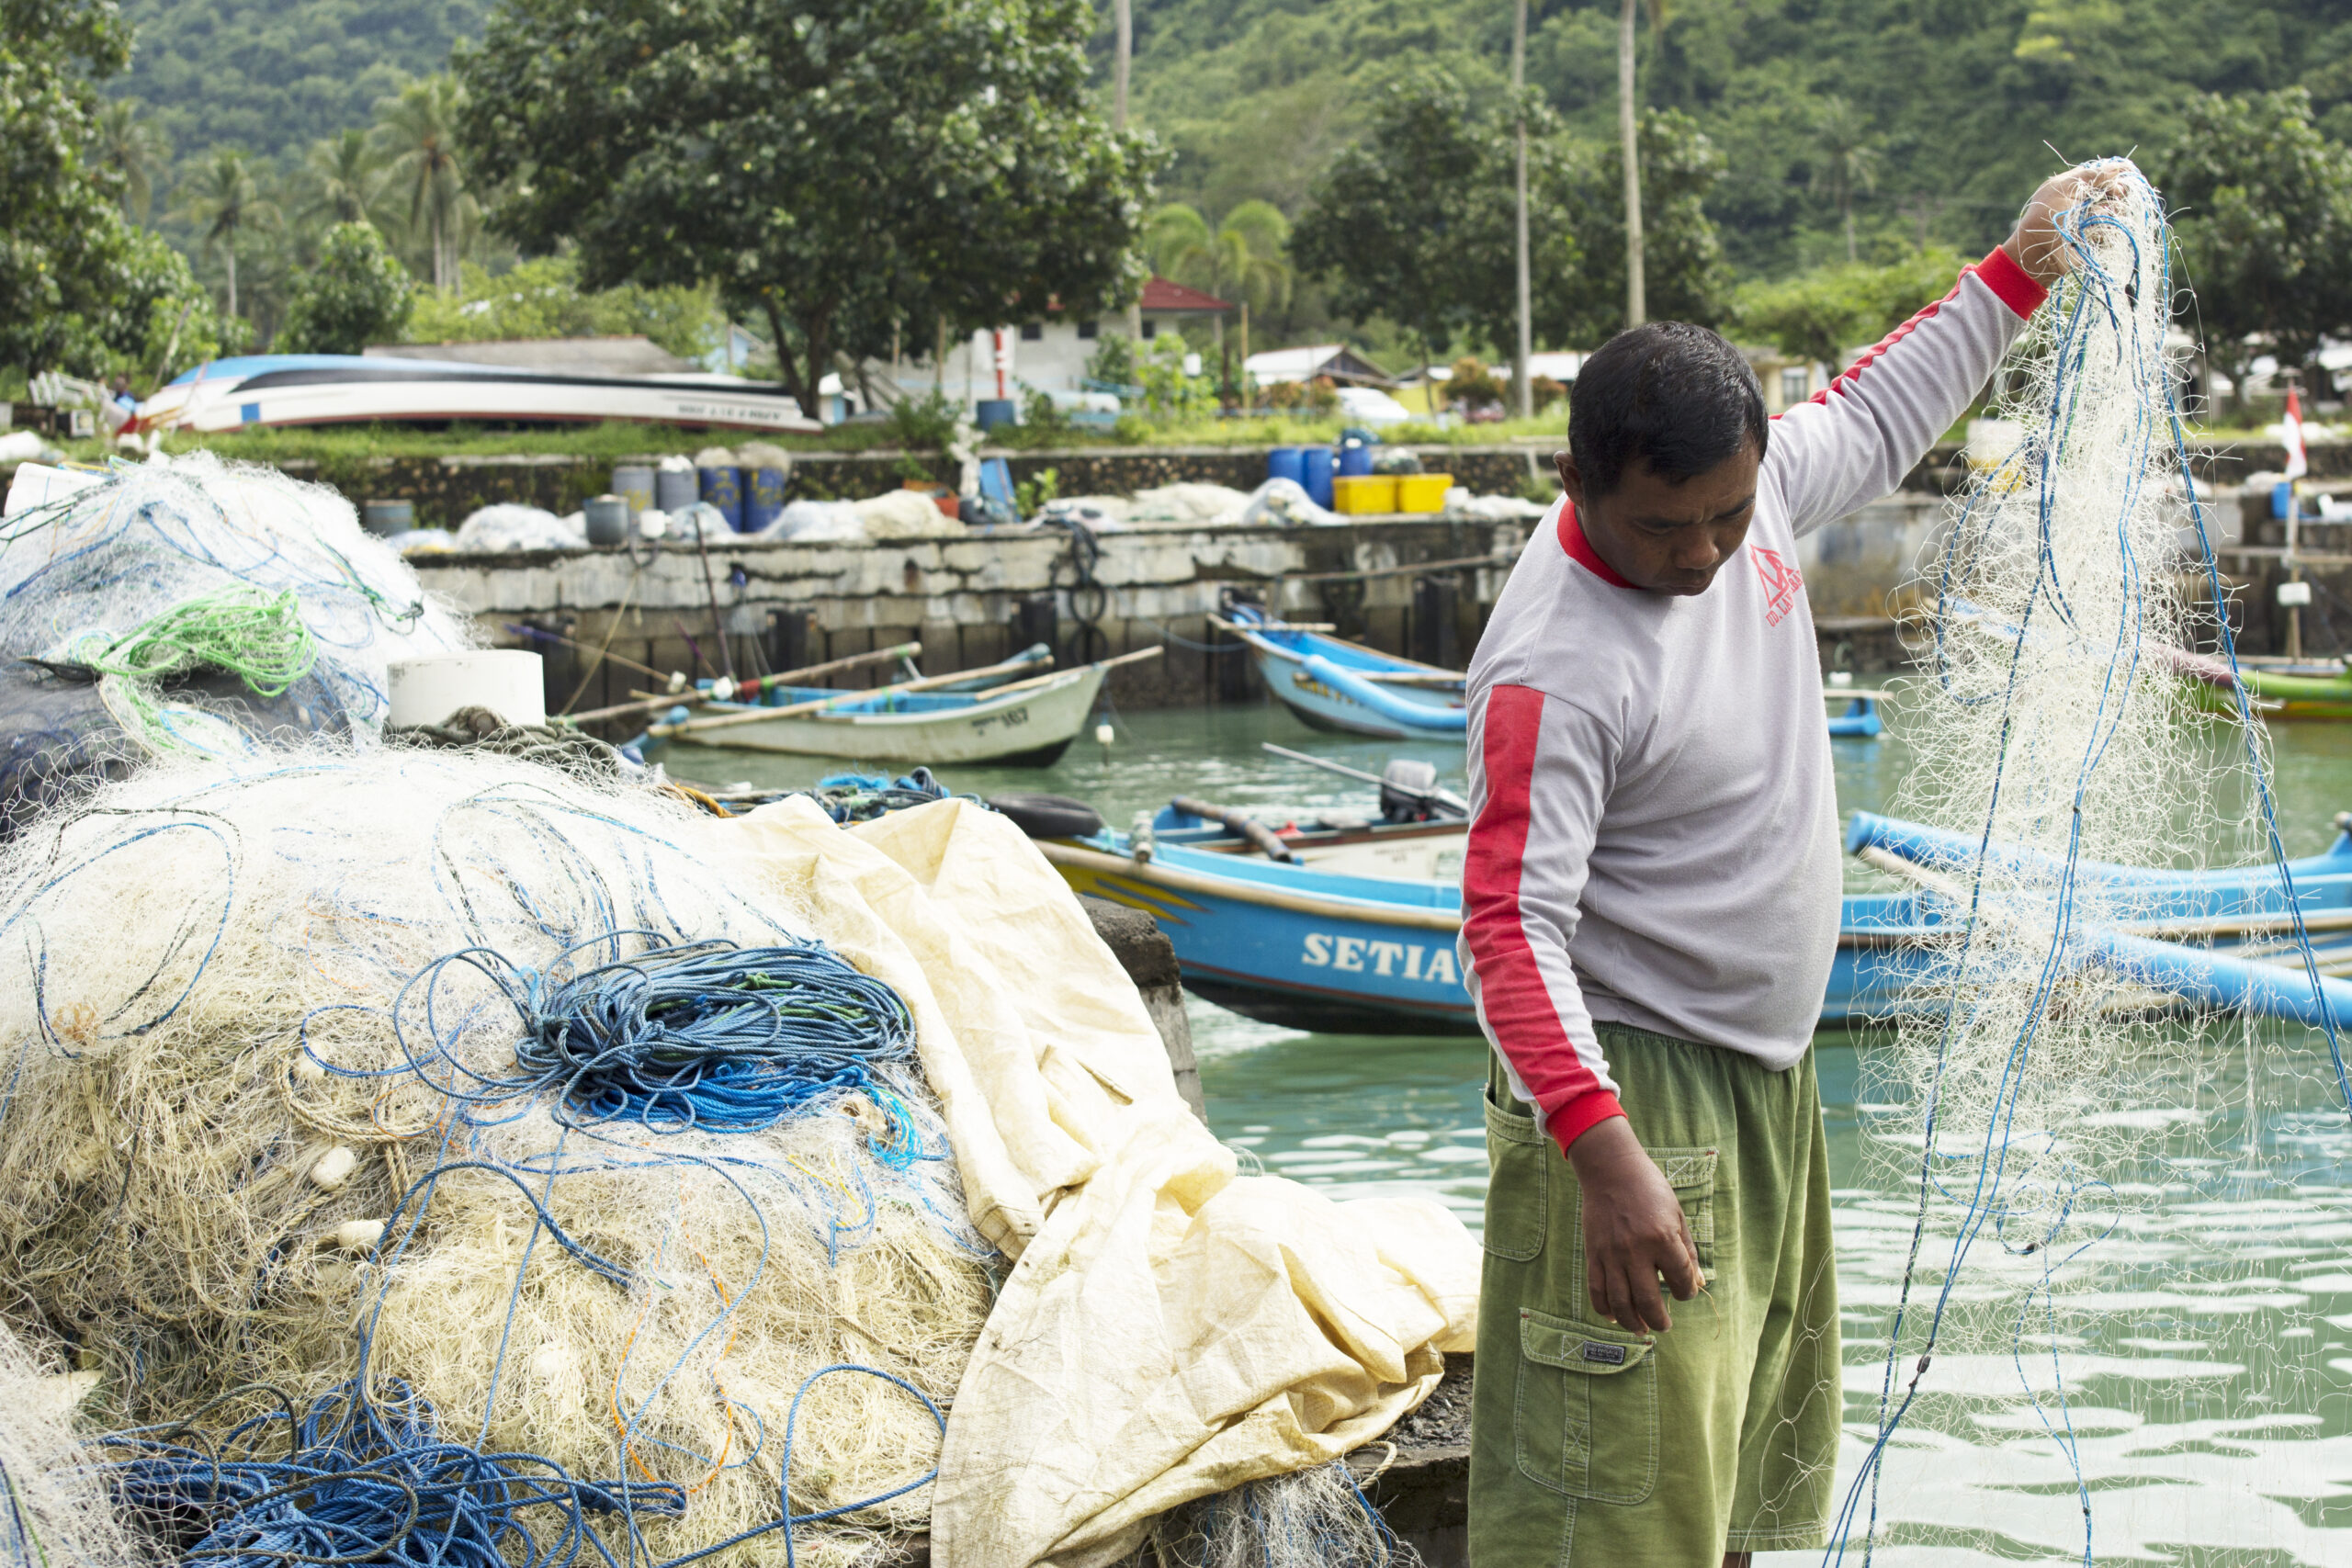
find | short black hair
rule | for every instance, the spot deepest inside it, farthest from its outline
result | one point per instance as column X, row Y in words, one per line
column 1675, row 396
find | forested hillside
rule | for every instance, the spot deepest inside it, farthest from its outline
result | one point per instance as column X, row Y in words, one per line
column 1954, row 99
column 273, row 76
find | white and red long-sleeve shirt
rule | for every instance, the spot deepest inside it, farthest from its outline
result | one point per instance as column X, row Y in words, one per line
column 1654, row 838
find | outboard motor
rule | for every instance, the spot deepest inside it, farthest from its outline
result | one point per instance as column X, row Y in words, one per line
column 1407, row 790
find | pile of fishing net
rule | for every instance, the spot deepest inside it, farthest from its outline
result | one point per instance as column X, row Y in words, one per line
column 2091, row 1174
column 471, row 1108
column 54, row 1507
column 188, row 606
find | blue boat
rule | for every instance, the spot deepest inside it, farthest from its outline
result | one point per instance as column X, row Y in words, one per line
column 1860, row 719
column 1358, row 935
column 1334, row 685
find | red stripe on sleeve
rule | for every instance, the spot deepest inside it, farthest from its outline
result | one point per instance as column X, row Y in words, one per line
column 2013, row 285
column 1511, row 993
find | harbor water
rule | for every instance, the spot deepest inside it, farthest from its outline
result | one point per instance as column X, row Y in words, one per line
column 2206, row 1367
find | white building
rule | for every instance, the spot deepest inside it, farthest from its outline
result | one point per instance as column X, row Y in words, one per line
column 1048, row 355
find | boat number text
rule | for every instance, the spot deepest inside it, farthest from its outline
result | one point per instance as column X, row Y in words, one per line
column 1434, row 964
column 1012, row 719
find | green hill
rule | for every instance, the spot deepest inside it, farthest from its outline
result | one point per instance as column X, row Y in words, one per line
column 1959, row 97
column 271, row 76
column 1961, row 94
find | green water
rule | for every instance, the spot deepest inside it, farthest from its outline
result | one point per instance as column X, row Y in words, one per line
column 2208, row 1368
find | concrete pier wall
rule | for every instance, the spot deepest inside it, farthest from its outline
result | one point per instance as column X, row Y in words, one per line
column 974, row 600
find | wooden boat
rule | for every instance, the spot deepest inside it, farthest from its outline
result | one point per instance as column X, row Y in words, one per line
column 1027, row 724
column 262, row 390
column 1357, row 936
column 1334, row 685
column 2304, row 689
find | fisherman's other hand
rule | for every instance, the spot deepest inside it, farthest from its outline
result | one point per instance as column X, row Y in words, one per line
column 1634, row 1230
column 2034, row 245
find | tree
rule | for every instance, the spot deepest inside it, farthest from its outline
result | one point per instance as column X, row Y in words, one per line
column 2264, row 229
column 135, row 149
column 62, row 234
column 358, row 293
column 223, row 202
column 1392, row 220
column 1816, row 318
column 846, row 170
column 541, row 298
column 1847, row 163
column 344, row 180
column 416, row 133
column 1241, row 260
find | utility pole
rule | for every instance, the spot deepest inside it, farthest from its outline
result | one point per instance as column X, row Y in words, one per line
column 1636, row 307
column 1123, row 53
column 1526, row 326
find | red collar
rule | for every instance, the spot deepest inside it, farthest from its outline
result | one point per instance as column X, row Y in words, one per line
column 1580, row 549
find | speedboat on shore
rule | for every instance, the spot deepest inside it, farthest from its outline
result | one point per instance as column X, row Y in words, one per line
column 255, row 391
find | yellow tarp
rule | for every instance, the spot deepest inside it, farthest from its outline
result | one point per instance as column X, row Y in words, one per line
column 1170, row 1329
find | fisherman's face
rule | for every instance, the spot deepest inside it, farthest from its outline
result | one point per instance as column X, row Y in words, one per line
column 1667, row 535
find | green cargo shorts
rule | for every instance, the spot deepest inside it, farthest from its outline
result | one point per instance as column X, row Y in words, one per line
column 1594, row 1448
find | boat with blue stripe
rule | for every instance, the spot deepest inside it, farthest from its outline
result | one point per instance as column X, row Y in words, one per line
column 1356, row 933
column 1345, row 687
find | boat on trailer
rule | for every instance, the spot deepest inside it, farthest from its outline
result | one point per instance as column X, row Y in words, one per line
column 263, row 390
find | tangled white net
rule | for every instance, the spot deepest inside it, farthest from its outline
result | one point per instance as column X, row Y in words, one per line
column 253, row 1133
column 2061, row 1133
column 54, row 1511
column 258, row 597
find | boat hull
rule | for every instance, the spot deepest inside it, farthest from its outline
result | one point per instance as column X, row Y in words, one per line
column 1280, row 655
column 1023, row 728
column 2280, row 697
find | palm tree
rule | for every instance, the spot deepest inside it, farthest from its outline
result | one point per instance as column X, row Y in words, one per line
column 1241, row 257
column 343, row 182
column 1847, row 162
column 417, row 134
column 223, row 203
column 137, row 148
column 1628, row 136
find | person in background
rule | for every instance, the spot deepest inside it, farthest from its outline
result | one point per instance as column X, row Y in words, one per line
column 1650, row 903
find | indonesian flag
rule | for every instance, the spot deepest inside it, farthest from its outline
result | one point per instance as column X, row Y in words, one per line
column 2297, row 466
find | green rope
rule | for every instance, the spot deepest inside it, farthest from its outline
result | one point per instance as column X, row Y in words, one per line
column 258, row 636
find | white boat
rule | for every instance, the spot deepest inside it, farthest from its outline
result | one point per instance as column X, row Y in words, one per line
column 275, row 390
column 1028, row 725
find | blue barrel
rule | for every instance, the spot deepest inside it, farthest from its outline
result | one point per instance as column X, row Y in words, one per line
column 764, row 502
column 1355, row 460
column 633, row 482
column 674, row 490
column 1287, row 463
column 1316, row 462
column 990, row 413
column 722, row 488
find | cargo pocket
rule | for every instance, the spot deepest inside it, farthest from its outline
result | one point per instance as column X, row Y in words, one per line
column 1517, row 1185
column 1587, row 1409
column 1691, row 1174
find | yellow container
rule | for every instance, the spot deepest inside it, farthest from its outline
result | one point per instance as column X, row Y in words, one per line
column 1422, row 493
column 1357, row 494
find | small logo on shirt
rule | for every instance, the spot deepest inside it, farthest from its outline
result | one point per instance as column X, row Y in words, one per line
column 1613, row 1355
column 1781, row 583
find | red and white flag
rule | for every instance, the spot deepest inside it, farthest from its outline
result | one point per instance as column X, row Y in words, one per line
column 2297, row 465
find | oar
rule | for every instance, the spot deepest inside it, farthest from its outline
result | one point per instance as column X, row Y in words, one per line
column 1445, row 800
column 821, row 705
column 694, row 696
column 995, row 692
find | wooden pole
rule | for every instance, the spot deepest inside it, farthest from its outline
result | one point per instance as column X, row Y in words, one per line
column 692, row 697
column 1520, row 372
column 1637, row 305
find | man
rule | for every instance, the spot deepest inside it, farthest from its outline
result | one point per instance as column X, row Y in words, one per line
column 1650, row 908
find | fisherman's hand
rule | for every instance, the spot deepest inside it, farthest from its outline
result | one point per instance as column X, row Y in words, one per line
column 1634, row 1230
column 2034, row 244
